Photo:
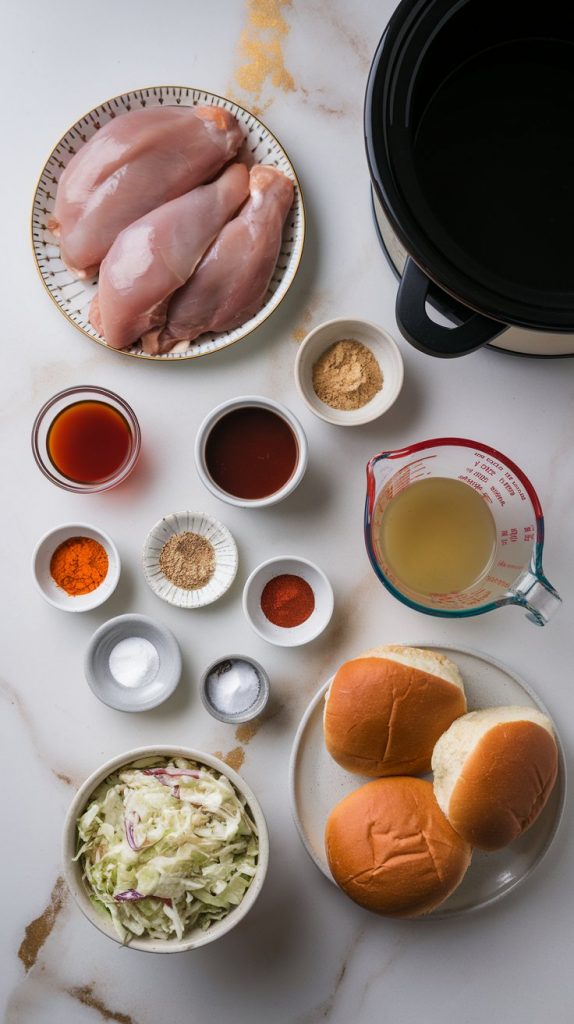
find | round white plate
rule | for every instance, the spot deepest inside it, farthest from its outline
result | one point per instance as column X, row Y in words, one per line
column 317, row 783
column 73, row 297
column 226, row 558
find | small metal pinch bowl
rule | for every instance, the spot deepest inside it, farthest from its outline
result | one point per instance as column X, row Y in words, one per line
column 222, row 684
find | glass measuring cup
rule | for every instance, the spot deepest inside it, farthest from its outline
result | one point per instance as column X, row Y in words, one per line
column 514, row 574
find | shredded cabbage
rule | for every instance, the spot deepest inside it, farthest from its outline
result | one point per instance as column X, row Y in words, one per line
column 166, row 846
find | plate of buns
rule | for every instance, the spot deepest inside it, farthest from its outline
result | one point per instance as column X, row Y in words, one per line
column 426, row 780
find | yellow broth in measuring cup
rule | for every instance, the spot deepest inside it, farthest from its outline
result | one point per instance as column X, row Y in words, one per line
column 438, row 536
column 453, row 527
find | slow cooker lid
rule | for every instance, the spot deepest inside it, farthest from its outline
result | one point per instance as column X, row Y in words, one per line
column 470, row 140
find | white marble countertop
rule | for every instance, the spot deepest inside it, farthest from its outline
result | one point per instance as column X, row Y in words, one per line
column 305, row 954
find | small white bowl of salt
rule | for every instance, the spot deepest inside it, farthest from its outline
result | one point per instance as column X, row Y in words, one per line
column 234, row 689
column 132, row 663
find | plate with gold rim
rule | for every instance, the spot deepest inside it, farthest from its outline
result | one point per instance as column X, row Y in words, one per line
column 317, row 783
column 73, row 297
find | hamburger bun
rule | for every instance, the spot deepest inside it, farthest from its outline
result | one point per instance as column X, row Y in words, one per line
column 385, row 710
column 494, row 770
column 391, row 849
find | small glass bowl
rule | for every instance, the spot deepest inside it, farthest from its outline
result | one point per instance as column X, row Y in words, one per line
column 53, row 407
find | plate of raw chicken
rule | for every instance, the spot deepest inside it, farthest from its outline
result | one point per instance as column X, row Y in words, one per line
column 168, row 223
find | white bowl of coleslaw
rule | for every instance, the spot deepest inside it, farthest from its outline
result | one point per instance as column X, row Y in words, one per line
column 165, row 848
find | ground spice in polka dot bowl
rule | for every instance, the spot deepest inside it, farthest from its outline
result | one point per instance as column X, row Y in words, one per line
column 189, row 559
column 76, row 567
column 288, row 601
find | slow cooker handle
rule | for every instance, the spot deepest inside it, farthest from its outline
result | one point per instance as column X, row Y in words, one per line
column 424, row 333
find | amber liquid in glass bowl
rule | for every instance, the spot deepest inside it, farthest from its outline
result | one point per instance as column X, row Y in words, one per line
column 89, row 441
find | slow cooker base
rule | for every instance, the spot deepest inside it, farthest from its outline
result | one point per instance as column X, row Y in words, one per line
column 514, row 341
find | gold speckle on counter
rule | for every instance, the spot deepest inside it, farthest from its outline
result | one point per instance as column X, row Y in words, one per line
column 247, row 730
column 313, row 310
column 38, row 931
column 85, row 995
column 234, row 758
column 302, row 329
column 260, row 49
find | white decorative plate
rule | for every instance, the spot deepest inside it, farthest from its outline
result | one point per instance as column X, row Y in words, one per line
column 73, row 297
column 317, row 783
column 226, row 558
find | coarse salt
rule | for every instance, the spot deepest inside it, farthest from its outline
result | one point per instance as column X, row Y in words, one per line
column 233, row 686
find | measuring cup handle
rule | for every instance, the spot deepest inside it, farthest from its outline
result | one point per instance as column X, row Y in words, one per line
column 538, row 596
column 424, row 333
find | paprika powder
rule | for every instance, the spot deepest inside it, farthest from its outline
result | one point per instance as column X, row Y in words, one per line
column 79, row 565
column 287, row 600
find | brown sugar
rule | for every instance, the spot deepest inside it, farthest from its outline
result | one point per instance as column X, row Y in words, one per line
column 347, row 375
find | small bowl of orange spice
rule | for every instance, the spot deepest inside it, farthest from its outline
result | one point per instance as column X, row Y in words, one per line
column 288, row 601
column 76, row 567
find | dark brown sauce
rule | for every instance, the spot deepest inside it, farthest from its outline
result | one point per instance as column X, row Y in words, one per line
column 88, row 442
column 251, row 452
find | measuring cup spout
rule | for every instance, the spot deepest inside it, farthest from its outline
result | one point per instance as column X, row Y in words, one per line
column 534, row 593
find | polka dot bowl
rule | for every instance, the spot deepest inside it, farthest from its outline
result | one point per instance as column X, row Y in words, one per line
column 224, row 548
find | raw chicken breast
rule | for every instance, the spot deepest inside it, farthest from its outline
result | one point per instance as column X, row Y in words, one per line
column 231, row 282
column 157, row 254
column 138, row 161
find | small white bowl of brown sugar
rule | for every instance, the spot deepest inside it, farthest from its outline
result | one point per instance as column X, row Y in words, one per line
column 189, row 559
column 349, row 372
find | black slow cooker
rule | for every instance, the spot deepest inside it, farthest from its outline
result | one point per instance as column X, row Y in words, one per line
column 469, row 125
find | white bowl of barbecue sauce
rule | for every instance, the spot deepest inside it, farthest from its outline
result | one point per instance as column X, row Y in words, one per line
column 251, row 452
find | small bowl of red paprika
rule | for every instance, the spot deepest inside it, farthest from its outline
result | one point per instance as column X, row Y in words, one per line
column 288, row 601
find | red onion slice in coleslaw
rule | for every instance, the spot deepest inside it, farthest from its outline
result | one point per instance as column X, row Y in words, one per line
column 132, row 895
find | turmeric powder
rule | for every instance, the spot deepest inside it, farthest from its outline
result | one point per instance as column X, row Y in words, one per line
column 79, row 565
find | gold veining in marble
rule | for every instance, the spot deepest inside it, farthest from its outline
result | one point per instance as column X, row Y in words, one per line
column 234, row 758
column 13, row 697
column 247, row 730
column 86, row 996
column 401, row 946
column 63, row 777
column 352, row 40
column 314, row 100
column 260, row 50
column 323, row 1011
column 39, row 930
